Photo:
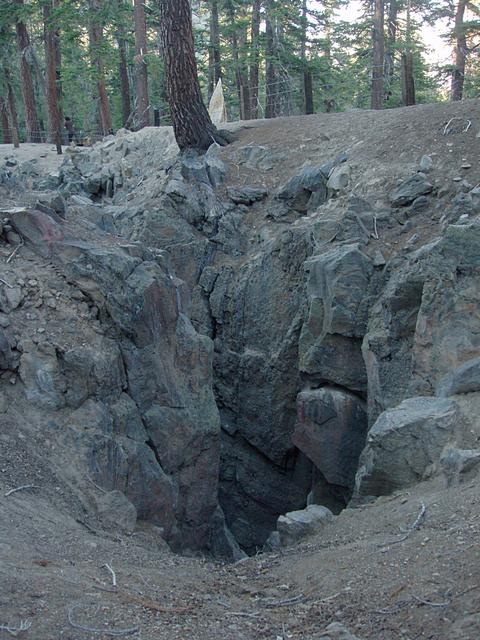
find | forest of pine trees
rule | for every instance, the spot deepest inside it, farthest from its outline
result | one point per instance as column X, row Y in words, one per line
column 105, row 63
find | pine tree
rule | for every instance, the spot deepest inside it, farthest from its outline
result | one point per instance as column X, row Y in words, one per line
column 141, row 71
column 191, row 123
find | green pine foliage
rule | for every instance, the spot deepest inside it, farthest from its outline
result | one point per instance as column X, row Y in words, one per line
column 308, row 38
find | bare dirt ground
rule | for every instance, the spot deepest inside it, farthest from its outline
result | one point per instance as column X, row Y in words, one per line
column 358, row 571
column 42, row 154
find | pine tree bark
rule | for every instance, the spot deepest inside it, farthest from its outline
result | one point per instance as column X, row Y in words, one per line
column 271, row 72
column 255, row 58
column 392, row 26
column 12, row 109
column 240, row 72
column 33, row 133
column 6, row 133
column 141, row 70
column 54, row 122
column 378, row 41
column 460, row 52
column 408, row 81
column 215, row 59
column 123, row 76
column 58, row 64
column 95, row 35
column 307, row 74
column 191, row 123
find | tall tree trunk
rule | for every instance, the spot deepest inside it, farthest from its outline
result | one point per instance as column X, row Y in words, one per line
column 58, row 66
column 12, row 108
column 240, row 73
column 460, row 52
column 54, row 122
column 215, row 60
column 392, row 27
column 271, row 72
column 255, row 58
column 28, row 91
column 123, row 75
column 141, row 71
column 307, row 74
column 378, row 41
column 95, row 35
column 408, row 81
column 191, row 123
column 6, row 133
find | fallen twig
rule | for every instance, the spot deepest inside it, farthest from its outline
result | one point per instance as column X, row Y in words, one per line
column 413, row 527
column 148, row 603
column 15, row 251
column 431, row 604
column 22, row 488
column 398, row 606
column 114, row 575
column 106, row 632
column 7, row 284
column 242, row 614
column 96, row 485
column 285, row 603
column 24, row 626
column 375, row 230
column 361, row 225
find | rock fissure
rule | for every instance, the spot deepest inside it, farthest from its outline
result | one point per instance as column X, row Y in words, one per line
column 242, row 345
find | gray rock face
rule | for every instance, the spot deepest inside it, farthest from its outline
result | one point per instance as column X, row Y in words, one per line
column 158, row 444
column 403, row 443
column 331, row 430
column 330, row 341
column 7, row 357
column 415, row 186
column 460, row 465
column 464, row 379
column 306, row 190
column 117, row 511
column 223, row 543
column 295, row 525
column 421, row 328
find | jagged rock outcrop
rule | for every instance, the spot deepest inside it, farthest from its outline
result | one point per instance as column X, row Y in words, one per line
column 142, row 400
column 422, row 327
column 404, row 443
column 313, row 288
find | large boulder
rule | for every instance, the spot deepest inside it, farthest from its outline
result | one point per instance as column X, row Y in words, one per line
column 295, row 525
column 403, row 444
column 331, row 430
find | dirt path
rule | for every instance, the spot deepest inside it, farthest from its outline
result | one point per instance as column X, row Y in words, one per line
column 427, row 586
